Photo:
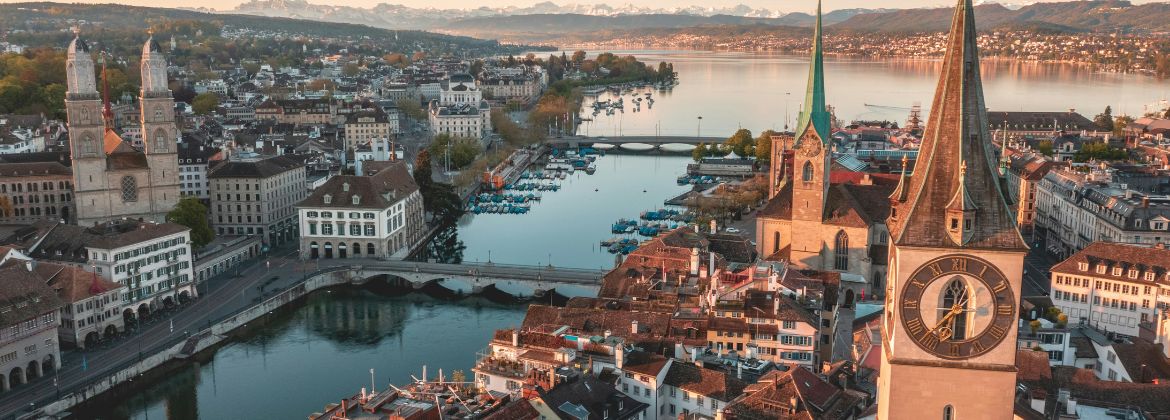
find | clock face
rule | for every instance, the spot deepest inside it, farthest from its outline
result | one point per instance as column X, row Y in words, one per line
column 810, row 146
column 957, row 307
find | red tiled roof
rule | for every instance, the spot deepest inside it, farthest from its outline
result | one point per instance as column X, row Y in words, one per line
column 1117, row 255
column 711, row 383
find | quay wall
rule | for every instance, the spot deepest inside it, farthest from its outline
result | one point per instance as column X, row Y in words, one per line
column 202, row 340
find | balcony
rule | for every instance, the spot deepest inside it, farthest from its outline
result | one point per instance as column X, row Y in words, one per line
column 501, row 367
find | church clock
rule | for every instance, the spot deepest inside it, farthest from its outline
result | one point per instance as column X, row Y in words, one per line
column 957, row 306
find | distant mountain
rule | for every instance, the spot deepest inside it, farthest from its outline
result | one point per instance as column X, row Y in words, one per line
column 492, row 20
column 1076, row 16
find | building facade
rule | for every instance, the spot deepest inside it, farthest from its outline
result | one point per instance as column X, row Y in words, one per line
column 364, row 127
column 256, row 196
column 1075, row 209
column 298, row 111
column 35, row 191
column 1113, row 287
column 111, row 178
column 29, row 347
column 194, row 159
column 375, row 216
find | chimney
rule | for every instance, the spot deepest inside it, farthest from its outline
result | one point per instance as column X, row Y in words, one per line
column 695, row 357
column 619, row 356
column 713, row 227
column 711, row 264
column 1038, row 398
column 739, row 370
column 1071, row 407
column 680, row 352
column 1145, row 202
column 515, row 338
column 694, row 261
column 634, row 327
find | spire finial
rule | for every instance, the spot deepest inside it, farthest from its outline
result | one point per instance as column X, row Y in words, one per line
column 76, row 31
column 905, row 161
column 150, row 31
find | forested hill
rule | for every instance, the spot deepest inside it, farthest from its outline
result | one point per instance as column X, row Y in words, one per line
column 45, row 23
column 1073, row 16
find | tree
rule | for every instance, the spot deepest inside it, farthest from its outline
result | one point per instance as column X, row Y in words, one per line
column 1045, row 147
column 190, row 212
column 1104, row 120
column 412, row 108
column 205, row 103
column 1120, row 123
column 422, row 171
column 351, row 70
column 741, row 142
column 764, row 146
column 699, row 152
column 578, row 57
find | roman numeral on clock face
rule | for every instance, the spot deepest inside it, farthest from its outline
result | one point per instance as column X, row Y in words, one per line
column 910, row 304
column 1003, row 310
column 959, row 264
column 915, row 326
column 996, row 331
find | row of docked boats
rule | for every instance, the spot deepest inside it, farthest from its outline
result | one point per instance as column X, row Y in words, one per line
column 644, row 228
column 620, row 245
column 697, row 180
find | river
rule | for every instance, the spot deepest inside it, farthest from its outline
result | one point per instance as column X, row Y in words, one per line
column 320, row 352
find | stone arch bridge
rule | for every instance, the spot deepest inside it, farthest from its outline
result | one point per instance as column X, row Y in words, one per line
column 469, row 278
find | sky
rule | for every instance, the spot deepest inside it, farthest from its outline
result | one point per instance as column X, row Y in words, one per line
column 782, row 5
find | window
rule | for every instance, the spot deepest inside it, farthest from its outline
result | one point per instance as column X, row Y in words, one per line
column 129, row 189
column 948, row 412
column 326, row 228
column 789, row 325
column 807, row 174
column 955, row 303
column 841, row 252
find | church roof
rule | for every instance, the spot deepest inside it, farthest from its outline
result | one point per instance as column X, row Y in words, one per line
column 957, row 135
column 847, row 205
column 78, row 45
column 151, row 46
column 815, row 112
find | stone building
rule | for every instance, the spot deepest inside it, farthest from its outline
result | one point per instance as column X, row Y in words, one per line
column 256, row 196
column 364, row 127
column 111, row 178
column 840, row 216
column 35, row 191
column 1074, row 209
column 375, row 216
column 194, row 159
column 28, row 322
column 298, row 111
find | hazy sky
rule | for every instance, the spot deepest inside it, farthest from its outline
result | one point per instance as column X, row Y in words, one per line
column 784, row 5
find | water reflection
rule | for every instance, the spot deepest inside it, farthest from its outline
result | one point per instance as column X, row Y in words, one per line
column 444, row 247
column 305, row 358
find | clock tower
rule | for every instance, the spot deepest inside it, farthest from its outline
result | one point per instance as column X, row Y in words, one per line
column 956, row 262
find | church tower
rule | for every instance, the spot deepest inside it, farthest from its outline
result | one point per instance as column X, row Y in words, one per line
column 813, row 151
column 956, row 263
column 159, row 134
column 83, row 108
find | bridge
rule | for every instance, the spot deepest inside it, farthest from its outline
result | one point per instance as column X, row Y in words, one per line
column 635, row 143
column 471, row 278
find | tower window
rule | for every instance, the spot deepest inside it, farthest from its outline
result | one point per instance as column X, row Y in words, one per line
column 954, row 224
column 807, row 175
column 957, row 300
column 841, row 252
column 129, row 189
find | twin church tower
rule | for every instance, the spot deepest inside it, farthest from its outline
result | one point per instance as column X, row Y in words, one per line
column 111, row 178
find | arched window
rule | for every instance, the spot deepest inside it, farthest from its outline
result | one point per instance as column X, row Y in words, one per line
column 948, row 412
column 88, row 145
column 841, row 252
column 370, row 249
column 160, row 140
column 955, row 303
column 129, row 188
column 775, row 242
column 807, row 174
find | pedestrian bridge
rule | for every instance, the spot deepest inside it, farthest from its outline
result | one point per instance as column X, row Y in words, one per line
column 471, row 278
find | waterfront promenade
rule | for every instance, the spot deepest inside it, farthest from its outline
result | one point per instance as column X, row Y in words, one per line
column 231, row 293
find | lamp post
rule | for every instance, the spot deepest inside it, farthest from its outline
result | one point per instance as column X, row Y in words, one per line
column 699, row 128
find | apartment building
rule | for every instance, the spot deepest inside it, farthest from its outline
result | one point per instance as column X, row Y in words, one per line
column 28, row 322
column 35, row 191
column 767, row 326
column 255, row 195
column 375, row 216
column 1075, row 209
column 1113, row 287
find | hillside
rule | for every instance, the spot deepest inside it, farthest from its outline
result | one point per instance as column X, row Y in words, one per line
column 1078, row 16
column 45, row 23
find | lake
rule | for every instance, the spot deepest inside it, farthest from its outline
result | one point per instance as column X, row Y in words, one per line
column 757, row 90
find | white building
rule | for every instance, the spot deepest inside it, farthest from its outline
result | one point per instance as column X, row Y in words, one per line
column 375, row 216
column 461, row 111
column 194, row 158
column 1113, row 287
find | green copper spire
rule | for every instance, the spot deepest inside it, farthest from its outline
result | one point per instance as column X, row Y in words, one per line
column 815, row 111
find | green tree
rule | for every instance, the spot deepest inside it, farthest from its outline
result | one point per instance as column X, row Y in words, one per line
column 1045, row 147
column 205, row 103
column 742, row 142
column 1120, row 123
column 351, row 70
column 412, row 108
column 422, row 171
column 764, row 146
column 699, row 152
column 190, row 212
column 1104, row 120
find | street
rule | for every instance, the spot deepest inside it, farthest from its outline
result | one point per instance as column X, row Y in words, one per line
column 219, row 297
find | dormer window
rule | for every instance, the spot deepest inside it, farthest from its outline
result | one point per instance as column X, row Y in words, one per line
column 1101, row 268
column 357, row 199
column 1133, row 274
column 1116, row 271
column 1149, row 276
column 328, row 199
column 1083, row 266
column 345, row 186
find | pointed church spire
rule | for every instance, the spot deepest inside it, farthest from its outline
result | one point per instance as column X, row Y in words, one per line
column 815, row 111
column 899, row 194
column 954, row 198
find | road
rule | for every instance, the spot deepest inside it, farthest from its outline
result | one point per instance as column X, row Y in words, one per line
column 220, row 296
column 548, row 273
column 1037, row 280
